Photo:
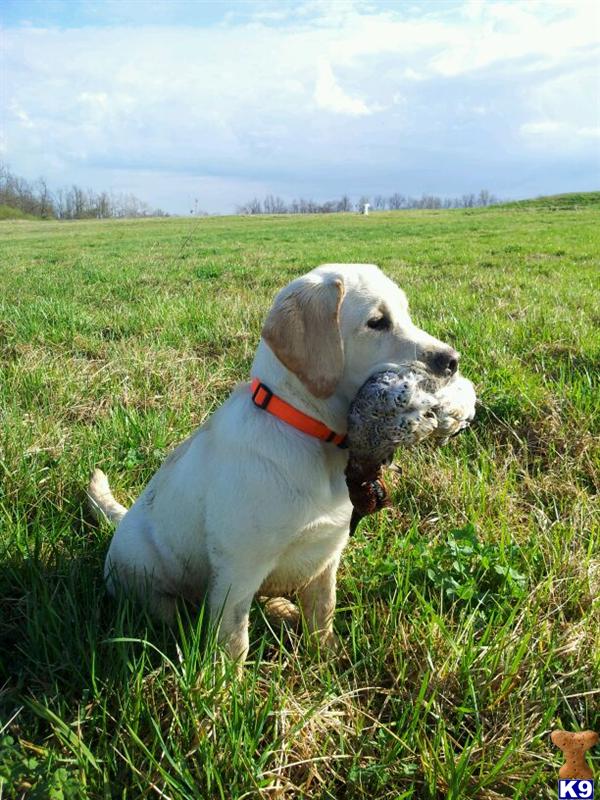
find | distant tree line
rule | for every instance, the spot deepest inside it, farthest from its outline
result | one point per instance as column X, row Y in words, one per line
column 273, row 204
column 37, row 199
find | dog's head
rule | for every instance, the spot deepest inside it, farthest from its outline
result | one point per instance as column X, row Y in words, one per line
column 340, row 323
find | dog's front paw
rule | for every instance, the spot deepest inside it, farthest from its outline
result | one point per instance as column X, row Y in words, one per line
column 280, row 610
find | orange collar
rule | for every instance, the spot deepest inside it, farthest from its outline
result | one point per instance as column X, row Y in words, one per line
column 263, row 397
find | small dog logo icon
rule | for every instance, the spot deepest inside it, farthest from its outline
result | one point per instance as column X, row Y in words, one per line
column 576, row 778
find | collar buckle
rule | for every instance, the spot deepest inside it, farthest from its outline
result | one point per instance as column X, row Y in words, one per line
column 265, row 399
column 262, row 396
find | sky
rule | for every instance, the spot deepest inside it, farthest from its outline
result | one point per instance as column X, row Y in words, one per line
column 218, row 102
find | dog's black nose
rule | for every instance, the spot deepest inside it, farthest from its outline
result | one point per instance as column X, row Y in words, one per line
column 445, row 362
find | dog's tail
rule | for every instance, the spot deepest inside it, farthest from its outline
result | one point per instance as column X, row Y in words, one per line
column 101, row 501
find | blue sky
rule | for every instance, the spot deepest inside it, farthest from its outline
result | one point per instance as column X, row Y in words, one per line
column 223, row 101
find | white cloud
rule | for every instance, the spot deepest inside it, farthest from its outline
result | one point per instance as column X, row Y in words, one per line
column 412, row 75
column 401, row 100
column 542, row 128
column 548, row 134
column 20, row 115
column 500, row 32
column 330, row 96
column 563, row 109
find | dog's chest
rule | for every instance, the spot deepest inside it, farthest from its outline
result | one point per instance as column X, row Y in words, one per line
column 311, row 548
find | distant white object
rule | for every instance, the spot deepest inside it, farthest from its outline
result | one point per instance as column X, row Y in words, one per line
column 366, row 208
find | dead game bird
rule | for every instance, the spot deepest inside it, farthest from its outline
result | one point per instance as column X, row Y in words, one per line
column 399, row 407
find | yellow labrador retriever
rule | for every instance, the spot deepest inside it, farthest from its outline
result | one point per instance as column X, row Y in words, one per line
column 253, row 504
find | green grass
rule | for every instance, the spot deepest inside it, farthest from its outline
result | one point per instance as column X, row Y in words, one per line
column 8, row 212
column 560, row 202
column 470, row 612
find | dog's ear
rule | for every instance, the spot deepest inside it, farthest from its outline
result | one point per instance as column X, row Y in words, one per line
column 303, row 330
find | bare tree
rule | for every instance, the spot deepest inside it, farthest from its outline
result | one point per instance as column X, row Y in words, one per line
column 485, row 198
column 72, row 203
column 44, row 197
column 344, row 204
column 103, row 206
column 251, row 207
column 396, row 201
column 430, row 201
column 276, row 205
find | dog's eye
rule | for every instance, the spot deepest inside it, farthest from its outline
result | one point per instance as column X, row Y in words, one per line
column 379, row 323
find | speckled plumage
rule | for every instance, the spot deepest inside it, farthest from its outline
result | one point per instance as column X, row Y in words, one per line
column 395, row 408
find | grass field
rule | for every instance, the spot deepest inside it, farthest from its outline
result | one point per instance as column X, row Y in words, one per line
column 470, row 613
